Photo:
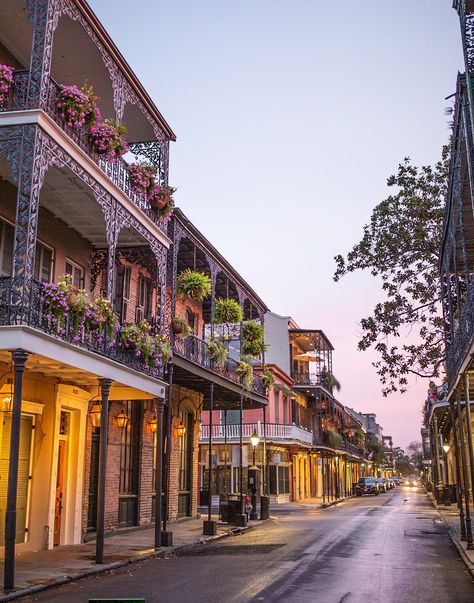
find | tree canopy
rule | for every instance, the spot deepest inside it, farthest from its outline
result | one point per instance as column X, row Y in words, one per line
column 401, row 246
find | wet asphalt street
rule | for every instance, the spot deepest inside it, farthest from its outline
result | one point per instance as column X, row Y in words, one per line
column 390, row 548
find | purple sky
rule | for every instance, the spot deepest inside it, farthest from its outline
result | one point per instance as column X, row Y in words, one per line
column 289, row 118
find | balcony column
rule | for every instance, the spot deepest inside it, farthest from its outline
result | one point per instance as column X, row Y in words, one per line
column 105, row 385
column 159, row 472
column 465, row 476
column 439, row 482
column 468, row 429
column 264, row 496
column 209, row 526
column 462, row 520
column 43, row 14
column 19, row 358
column 225, row 450
column 166, row 535
column 21, row 145
column 160, row 254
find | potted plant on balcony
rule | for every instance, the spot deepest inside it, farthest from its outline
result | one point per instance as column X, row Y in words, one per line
column 245, row 372
column 227, row 311
column 107, row 139
column 77, row 301
column 162, row 347
column 141, row 177
column 161, row 199
column 218, row 353
column 267, row 379
column 55, row 305
column 252, row 344
column 335, row 438
column 193, row 285
column 78, row 107
column 6, row 81
column 129, row 337
column 100, row 316
column 181, row 327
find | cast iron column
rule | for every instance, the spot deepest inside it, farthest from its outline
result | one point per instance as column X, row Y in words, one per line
column 225, row 450
column 19, row 358
column 458, row 472
column 104, row 425
column 159, row 471
column 439, row 480
column 469, row 429
column 323, row 476
column 241, row 476
column 465, row 475
column 211, row 408
column 166, row 464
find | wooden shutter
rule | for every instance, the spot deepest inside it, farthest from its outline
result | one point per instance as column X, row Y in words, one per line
column 26, row 427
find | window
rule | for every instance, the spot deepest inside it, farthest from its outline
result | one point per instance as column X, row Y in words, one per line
column 285, row 410
column 276, row 397
column 43, row 263
column 284, row 480
column 272, row 479
column 122, row 293
column 7, row 236
column 77, row 273
column 144, row 299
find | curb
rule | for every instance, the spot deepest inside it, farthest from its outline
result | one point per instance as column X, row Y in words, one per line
column 454, row 538
column 103, row 569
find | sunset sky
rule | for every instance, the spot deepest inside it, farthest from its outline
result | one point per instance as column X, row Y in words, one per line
column 290, row 116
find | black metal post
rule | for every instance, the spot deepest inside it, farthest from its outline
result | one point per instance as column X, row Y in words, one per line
column 225, row 450
column 241, row 459
column 439, row 482
column 104, row 426
column 462, row 520
column 159, row 471
column 19, row 358
column 465, row 475
column 211, row 408
column 469, row 429
column 166, row 461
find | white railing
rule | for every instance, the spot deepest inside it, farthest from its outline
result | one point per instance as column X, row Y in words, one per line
column 274, row 432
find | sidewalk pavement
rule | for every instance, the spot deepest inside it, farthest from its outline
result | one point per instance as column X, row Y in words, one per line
column 450, row 516
column 37, row 570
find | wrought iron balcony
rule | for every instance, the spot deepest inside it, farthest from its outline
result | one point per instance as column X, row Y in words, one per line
column 275, row 432
column 115, row 170
column 196, row 350
column 94, row 341
column 310, row 379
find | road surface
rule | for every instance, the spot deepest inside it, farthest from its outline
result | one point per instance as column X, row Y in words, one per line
column 390, row 548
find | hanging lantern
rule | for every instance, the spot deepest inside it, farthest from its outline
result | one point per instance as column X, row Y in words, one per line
column 122, row 419
column 254, row 439
column 153, row 424
column 6, row 397
column 95, row 414
column 180, row 429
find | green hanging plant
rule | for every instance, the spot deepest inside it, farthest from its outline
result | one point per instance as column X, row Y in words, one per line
column 193, row 285
column 267, row 378
column 333, row 382
column 217, row 352
column 227, row 311
column 335, row 438
column 181, row 327
column 252, row 344
column 245, row 373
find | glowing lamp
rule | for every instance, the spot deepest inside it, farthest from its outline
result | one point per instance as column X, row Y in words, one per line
column 254, row 439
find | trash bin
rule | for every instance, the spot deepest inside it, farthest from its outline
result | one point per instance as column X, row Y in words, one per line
column 264, row 507
column 224, row 508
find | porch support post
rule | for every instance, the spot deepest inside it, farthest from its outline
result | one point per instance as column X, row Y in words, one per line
column 225, row 450
column 19, row 358
column 104, row 427
column 465, row 475
column 167, row 536
column 264, row 497
column 209, row 527
column 458, row 471
column 41, row 13
column 439, row 483
column 159, row 472
column 241, row 443
column 323, row 477
column 469, row 429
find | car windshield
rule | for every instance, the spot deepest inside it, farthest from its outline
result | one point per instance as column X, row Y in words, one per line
column 366, row 480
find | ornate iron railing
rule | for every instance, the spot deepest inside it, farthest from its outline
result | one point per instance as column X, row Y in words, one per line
column 115, row 170
column 37, row 316
column 307, row 378
column 196, row 350
column 274, row 432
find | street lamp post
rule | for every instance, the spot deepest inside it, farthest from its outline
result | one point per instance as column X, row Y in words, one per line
column 254, row 440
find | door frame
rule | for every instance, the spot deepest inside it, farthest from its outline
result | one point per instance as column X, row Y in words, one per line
column 75, row 401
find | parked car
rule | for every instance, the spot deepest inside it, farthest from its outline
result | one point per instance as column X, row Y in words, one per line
column 381, row 483
column 392, row 482
column 366, row 485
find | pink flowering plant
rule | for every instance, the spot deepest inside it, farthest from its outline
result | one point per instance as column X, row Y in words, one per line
column 161, row 199
column 6, row 81
column 78, row 107
column 142, row 178
column 55, row 305
column 152, row 349
column 107, row 139
column 100, row 316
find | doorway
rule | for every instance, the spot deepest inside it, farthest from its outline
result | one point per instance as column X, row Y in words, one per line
column 60, row 480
